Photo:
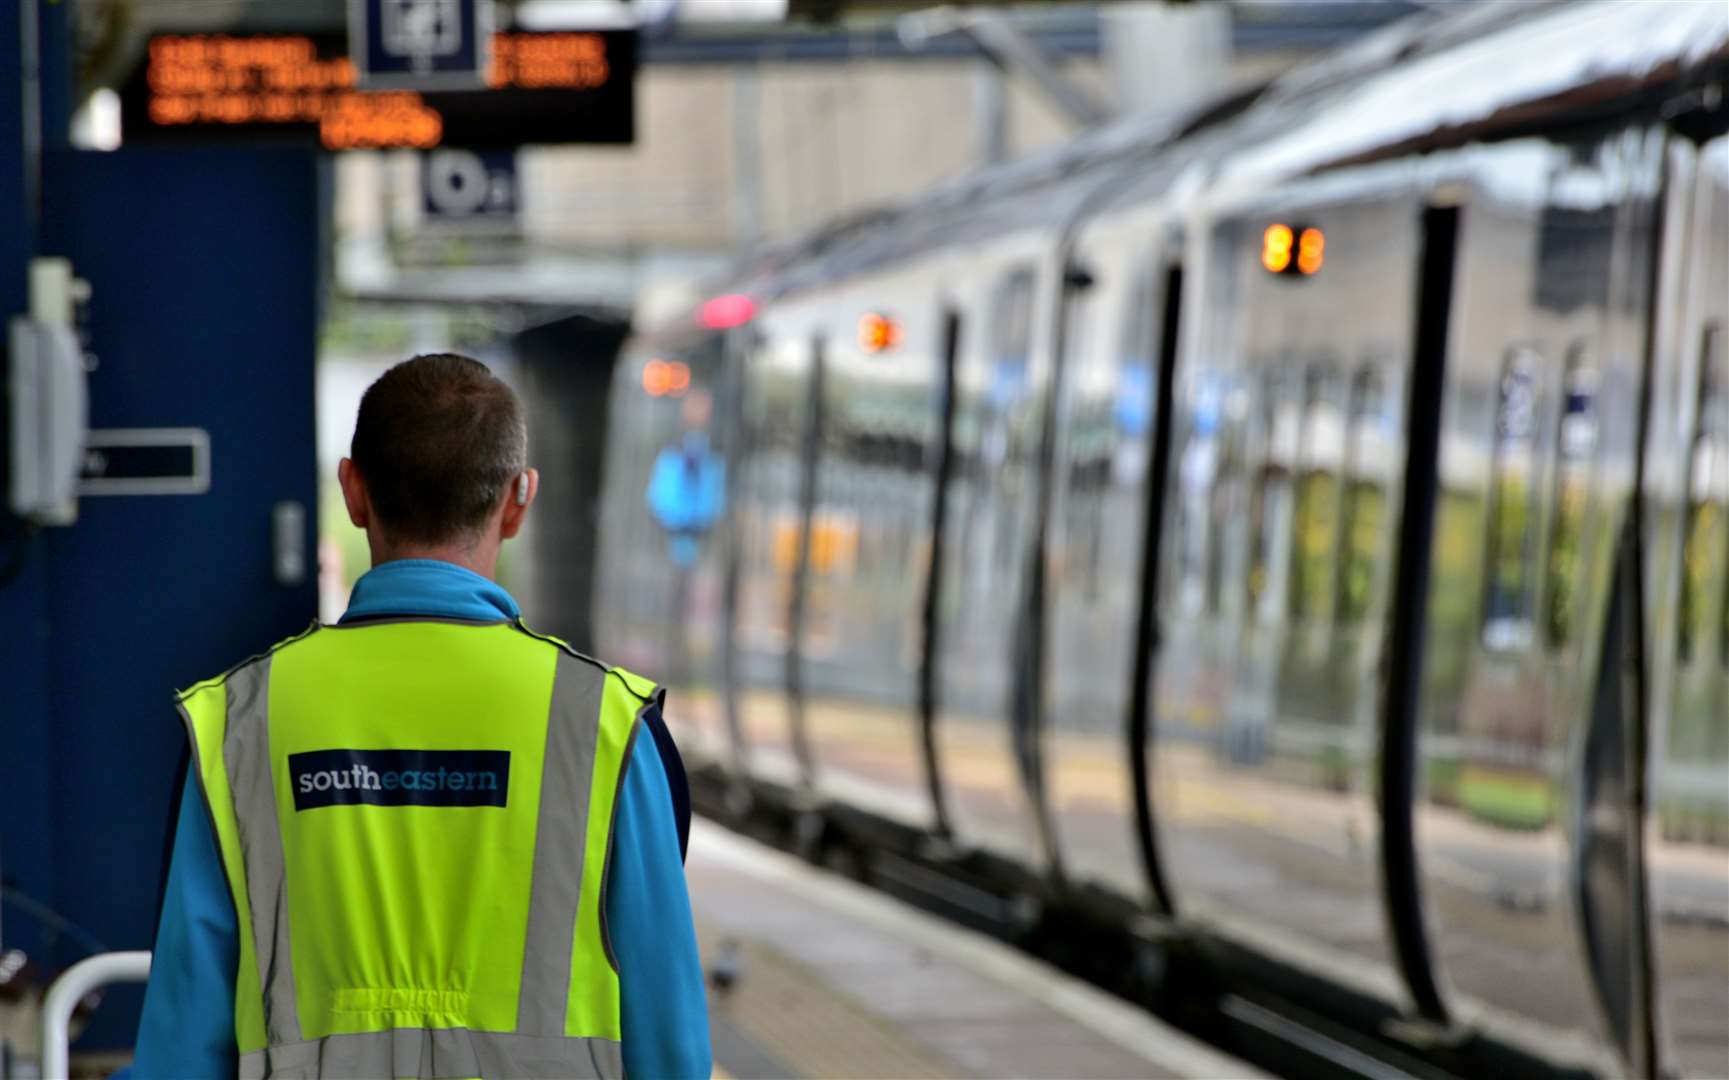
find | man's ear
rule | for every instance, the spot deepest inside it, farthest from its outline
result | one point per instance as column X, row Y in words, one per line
column 518, row 497
column 354, row 493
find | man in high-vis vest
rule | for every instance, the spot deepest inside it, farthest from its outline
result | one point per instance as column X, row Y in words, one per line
column 427, row 841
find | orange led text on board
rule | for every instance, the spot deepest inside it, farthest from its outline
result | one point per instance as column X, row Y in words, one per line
column 280, row 79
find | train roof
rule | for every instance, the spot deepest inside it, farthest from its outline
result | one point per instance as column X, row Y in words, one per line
column 1434, row 79
column 1486, row 73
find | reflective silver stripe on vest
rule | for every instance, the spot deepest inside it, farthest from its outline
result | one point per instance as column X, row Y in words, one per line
column 560, row 839
column 246, row 755
column 436, row 1054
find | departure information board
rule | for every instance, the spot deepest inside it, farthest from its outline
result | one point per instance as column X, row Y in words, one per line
column 547, row 87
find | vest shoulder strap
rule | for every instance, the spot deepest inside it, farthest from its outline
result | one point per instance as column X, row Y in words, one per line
column 640, row 688
column 217, row 680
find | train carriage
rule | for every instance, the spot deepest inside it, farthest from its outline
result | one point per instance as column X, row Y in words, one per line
column 1302, row 529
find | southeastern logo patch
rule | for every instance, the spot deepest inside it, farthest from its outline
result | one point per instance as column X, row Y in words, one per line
column 399, row 778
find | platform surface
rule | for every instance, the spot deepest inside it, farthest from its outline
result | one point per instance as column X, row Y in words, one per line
column 832, row 979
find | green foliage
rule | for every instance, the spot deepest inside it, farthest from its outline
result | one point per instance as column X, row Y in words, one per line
column 1700, row 584
column 1441, row 781
column 1563, row 569
column 367, row 329
column 1691, row 821
column 1454, row 592
column 1365, row 526
column 1510, row 548
column 1510, row 800
column 1317, row 513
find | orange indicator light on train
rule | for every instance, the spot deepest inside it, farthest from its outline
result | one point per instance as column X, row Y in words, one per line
column 665, row 378
column 878, row 332
column 1311, row 250
column 1293, row 249
column 1276, row 248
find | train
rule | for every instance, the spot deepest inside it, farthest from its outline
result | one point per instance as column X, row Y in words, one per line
column 1299, row 527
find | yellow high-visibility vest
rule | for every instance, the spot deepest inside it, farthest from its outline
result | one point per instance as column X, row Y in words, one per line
column 414, row 818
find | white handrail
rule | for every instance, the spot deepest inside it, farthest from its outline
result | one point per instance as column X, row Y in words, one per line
column 69, row 989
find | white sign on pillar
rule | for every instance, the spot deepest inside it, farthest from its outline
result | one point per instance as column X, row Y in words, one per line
column 459, row 185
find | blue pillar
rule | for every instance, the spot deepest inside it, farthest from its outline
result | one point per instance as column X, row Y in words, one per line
column 25, row 776
column 58, row 82
column 17, row 226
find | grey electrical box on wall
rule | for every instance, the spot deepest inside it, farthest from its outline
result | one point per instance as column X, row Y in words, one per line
column 48, row 413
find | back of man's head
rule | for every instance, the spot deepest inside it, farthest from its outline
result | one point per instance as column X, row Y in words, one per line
column 437, row 440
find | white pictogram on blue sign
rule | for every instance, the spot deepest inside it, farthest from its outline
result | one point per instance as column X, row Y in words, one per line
column 421, row 44
column 421, row 30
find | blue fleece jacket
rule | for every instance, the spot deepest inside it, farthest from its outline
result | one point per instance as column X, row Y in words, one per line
column 188, row 1025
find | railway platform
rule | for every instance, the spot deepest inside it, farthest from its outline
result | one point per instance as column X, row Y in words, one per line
column 813, row 975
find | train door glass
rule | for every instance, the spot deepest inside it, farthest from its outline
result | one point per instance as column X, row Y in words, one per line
column 1264, row 739
column 634, row 595
column 1509, row 584
column 1371, row 460
column 866, row 572
column 1225, row 547
column 1576, row 440
column 663, row 554
column 1364, row 520
column 1214, row 495
column 1687, row 822
column 986, row 757
column 1539, row 416
column 779, row 376
column 1311, row 666
column 1098, row 506
column 1270, row 503
column 1208, row 481
column 1321, row 446
column 1702, row 534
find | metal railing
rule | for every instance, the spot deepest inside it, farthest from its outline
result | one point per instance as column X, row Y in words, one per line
column 68, row 990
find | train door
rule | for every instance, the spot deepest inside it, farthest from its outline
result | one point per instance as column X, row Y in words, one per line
column 781, row 428
column 868, row 542
column 1687, row 476
column 986, row 738
column 1204, row 543
column 662, row 557
column 1525, row 824
column 1099, row 514
column 1289, row 425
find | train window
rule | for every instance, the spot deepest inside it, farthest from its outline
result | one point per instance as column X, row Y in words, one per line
column 1133, row 404
column 1575, row 446
column 1321, row 444
column 1001, row 424
column 1011, row 333
column 1702, row 533
column 1228, row 473
column 1269, row 502
column 1507, row 575
column 1197, row 469
column 1140, row 341
column 1089, row 443
column 1364, row 515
